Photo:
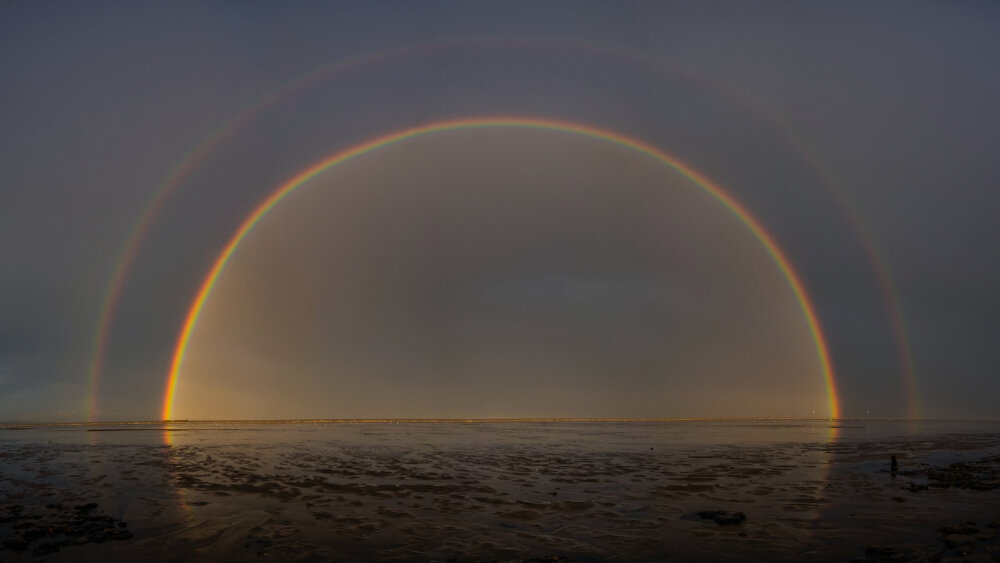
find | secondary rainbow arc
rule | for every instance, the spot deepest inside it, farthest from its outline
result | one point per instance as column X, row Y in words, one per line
column 131, row 249
column 737, row 209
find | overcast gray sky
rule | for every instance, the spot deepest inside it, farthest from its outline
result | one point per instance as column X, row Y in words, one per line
column 513, row 273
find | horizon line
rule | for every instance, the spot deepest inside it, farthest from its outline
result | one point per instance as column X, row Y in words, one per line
column 466, row 420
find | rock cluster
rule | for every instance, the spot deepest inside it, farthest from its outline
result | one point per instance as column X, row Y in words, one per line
column 965, row 541
column 723, row 518
column 982, row 475
column 49, row 529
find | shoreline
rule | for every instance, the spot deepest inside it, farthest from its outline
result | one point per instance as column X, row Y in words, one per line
column 529, row 420
column 461, row 492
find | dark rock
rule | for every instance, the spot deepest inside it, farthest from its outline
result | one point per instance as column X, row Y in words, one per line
column 897, row 553
column 958, row 540
column 16, row 543
column 967, row 528
column 722, row 517
column 45, row 549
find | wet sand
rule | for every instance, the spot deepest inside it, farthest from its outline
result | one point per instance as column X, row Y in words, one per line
column 501, row 491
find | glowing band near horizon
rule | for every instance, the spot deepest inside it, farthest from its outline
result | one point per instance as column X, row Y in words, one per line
column 311, row 172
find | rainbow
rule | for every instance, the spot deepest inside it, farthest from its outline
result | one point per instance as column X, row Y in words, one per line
column 741, row 213
column 130, row 251
column 176, row 178
column 904, row 358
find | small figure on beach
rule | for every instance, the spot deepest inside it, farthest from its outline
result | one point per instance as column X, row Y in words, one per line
column 894, row 467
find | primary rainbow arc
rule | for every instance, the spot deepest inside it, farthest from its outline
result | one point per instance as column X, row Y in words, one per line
column 744, row 216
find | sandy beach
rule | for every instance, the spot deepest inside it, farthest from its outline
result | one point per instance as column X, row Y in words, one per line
column 501, row 491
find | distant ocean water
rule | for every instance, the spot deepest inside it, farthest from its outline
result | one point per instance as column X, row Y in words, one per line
column 475, row 490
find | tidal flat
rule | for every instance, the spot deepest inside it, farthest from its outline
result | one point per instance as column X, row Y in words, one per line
column 598, row 490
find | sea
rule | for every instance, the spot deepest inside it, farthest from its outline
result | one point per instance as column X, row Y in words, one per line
column 501, row 490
